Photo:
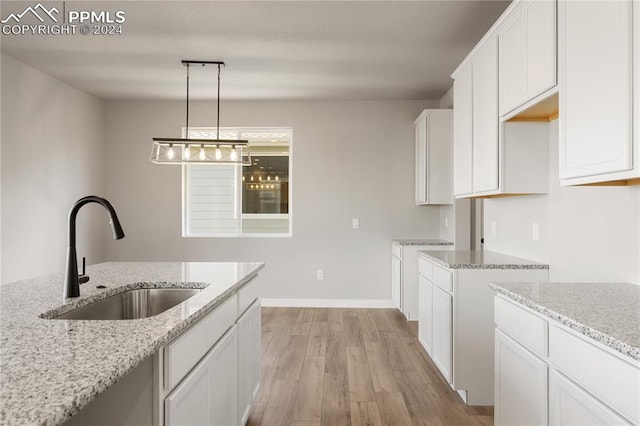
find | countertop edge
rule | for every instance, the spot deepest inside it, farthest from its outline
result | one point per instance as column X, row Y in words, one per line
column 485, row 265
column 598, row 336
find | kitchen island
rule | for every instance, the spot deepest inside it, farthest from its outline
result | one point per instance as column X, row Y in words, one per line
column 51, row 369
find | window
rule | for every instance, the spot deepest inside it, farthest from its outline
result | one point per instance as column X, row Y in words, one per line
column 237, row 201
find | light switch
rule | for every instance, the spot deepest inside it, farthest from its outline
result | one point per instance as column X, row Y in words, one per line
column 446, row 222
column 535, row 231
column 355, row 223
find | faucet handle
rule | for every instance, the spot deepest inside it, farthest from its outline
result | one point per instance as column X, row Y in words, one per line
column 83, row 278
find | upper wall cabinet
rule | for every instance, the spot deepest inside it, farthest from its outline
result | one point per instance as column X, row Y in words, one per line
column 597, row 118
column 527, row 60
column 493, row 158
column 433, row 157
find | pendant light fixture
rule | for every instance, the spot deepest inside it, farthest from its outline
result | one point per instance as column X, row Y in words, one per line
column 201, row 151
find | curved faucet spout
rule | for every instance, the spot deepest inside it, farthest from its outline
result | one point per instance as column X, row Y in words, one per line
column 71, row 286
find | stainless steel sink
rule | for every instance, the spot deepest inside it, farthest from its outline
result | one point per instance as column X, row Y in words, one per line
column 132, row 304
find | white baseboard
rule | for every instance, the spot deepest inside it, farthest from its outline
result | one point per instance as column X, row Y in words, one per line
column 328, row 303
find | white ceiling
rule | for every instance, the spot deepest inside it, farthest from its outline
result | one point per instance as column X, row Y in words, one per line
column 273, row 49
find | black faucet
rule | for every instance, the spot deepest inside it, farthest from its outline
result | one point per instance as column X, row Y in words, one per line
column 71, row 284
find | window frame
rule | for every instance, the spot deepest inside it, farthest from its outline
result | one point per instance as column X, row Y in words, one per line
column 239, row 189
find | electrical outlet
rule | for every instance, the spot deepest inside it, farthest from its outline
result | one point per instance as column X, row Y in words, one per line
column 493, row 228
column 535, row 231
column 319, row 274
column 355, row 223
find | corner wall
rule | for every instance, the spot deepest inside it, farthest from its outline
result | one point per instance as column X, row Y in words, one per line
column 351, row 159
column 52, row 154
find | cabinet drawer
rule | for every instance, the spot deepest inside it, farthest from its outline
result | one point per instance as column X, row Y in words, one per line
column 523, row 326
column 396, row 250
column 611, row 379
column 183, row 353
column 443, row 278
column 425, row 268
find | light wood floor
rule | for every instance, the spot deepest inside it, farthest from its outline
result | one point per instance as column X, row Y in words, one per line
column 351, row 367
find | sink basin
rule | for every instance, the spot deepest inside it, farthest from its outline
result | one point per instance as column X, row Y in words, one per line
column 132, row 304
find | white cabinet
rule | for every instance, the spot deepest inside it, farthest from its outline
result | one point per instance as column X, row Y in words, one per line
column 588, row 383
column 210, row 374
column 441, row 352
column 596, row 97
column 404, row 279
column 571, row 405
column 425, row 313
column 207, row 395
column 433, row 157
column 493, row 158
column 463, row 131
column 485, row 117
column 520, row 385
column 249, row 360
column 456, row 324
column 527, row 41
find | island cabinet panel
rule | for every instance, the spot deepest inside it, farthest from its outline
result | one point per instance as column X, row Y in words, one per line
column 248, row 359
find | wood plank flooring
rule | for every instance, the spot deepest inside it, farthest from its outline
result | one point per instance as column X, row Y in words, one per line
column 351, row 367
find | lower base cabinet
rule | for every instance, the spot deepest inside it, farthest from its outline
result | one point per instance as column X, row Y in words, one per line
column 207, row 396
column 520, row 386
column 442, row 345
column 571, row 405
column 221, row 388
column 588, row 384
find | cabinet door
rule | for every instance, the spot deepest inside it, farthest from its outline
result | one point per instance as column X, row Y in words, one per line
column 511, row 62
column 396, row 281
column 249, row 335
column 421, row 133
column 520, row 384
column 425, row 313
column 540, row 38
column 571, row 405
column 485, row 117
column 208, row 394
column 442, row 349
column 463, row 132
column 596, row 95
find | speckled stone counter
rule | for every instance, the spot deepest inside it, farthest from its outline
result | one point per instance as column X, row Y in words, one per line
column 607, row 313
column 421, row 242
column 53, row 368
column 472, row 259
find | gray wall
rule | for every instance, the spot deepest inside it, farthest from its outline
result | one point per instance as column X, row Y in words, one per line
column 351, row 159
column 587, row 233
column 52, row 154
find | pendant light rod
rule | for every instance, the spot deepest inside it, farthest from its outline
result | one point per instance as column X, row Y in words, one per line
column 218, row 112
column 187, row 132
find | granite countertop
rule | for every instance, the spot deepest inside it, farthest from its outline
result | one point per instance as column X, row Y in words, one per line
column 53, row 368
column 479, row 259
column 422, row 242
column 606, row 313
